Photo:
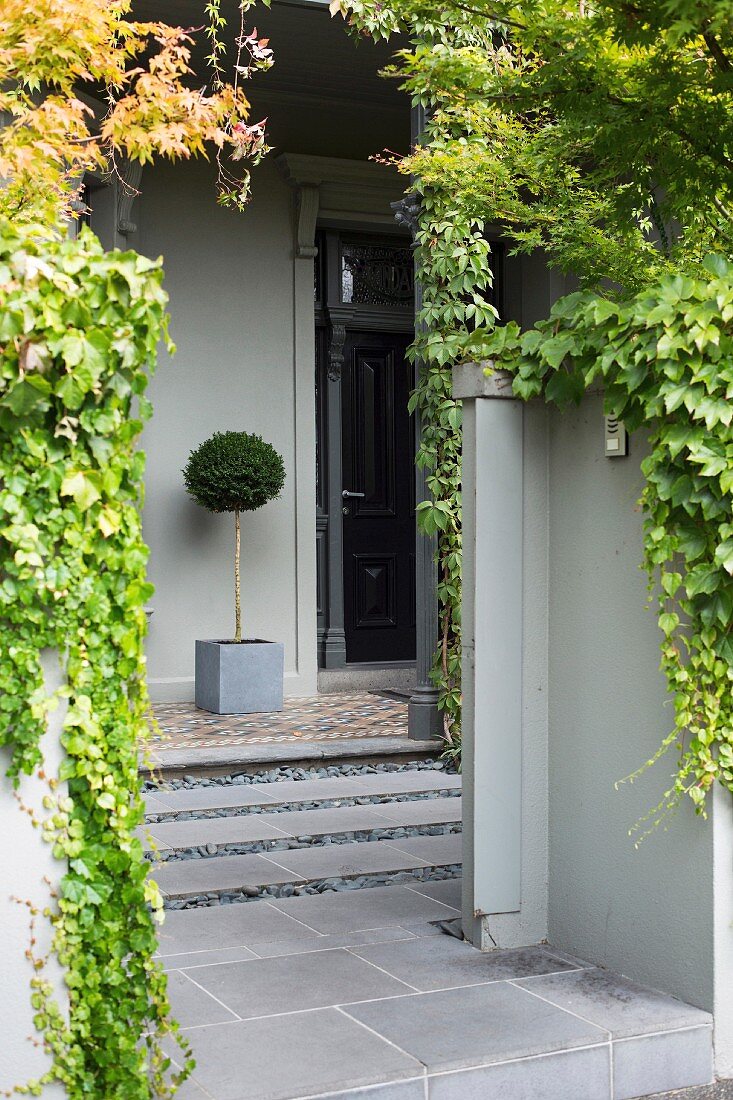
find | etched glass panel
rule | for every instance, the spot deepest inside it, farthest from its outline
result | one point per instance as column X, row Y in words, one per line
column 377, row 275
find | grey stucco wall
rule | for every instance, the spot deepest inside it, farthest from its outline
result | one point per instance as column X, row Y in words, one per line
column 230, row 281
column 26, row 861
column 647, row 913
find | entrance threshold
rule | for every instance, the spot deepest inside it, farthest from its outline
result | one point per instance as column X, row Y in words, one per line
column 397, row 676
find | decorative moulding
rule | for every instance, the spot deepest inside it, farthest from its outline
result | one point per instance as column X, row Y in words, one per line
column 308, row 203
column 299, row 168
column 127, row 189
column 338, row 323
column 339, row 190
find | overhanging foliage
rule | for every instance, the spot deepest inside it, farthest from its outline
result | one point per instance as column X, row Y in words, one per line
column 665, row 358
column 78, row 332
column 603, row 134
column 84, row 86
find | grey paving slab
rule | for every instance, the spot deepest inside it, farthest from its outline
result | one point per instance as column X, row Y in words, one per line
column 423, row 929
column 322, row 942
column 436, row 850
column 449, row 891
column 398, row 1090
column 336, row 819
column 223, row 796
column 214, row 830
column 408, row 781
column 426, row 811
column 226, row 926
column 658, row 1063
column 307, row 790
column 186, row 877
column 343, row 860
column 189, row 1090
column 475, row 1025
column 291, row 983
column 216, row 797
column 148, row 841
column 287, row 1057
column 190, row 1005
column 153, row 805
column 614, row 1003
column 296, row 945
column 446, row 963
column 573, row 1075
column 190, row 959
column 376, row 907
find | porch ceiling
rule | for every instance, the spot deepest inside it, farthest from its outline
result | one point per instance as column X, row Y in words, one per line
column 314, row 55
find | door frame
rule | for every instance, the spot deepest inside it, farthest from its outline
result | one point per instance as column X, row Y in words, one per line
column 334, row 321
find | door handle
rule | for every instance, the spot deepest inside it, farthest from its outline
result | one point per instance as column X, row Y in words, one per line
column 347, row 493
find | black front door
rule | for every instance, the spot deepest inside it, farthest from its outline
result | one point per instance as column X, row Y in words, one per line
column 379, row 499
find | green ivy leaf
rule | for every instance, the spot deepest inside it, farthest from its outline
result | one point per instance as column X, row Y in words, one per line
column 83, row 486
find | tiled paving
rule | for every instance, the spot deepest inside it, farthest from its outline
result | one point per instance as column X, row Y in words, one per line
column 319, row 718
column 355, row 994
column 355, row 997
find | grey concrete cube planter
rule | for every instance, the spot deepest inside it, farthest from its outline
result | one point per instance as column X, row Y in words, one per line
column 239, row 677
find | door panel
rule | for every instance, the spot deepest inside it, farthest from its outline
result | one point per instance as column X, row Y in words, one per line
column 379, row 522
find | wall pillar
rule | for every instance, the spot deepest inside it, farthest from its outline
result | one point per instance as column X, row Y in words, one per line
column 492, row 650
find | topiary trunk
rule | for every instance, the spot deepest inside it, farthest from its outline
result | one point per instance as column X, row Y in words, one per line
column 237, row 595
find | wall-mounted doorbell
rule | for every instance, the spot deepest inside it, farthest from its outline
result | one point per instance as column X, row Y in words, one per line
column 616, row 438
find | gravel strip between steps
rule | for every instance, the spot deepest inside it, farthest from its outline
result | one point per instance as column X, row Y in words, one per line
column 290, row 807
column 248, row 779
column 320, row 886
column 322, row 840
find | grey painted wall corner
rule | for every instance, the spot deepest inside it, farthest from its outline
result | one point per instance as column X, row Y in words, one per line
column 27, row 861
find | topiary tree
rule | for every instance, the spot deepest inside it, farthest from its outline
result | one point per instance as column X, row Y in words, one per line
column 234, row 472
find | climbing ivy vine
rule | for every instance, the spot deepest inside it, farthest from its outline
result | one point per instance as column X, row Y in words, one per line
column 601, row 134
column 78, row 336
column 453, row 263
column 78, row 333
column 665, row 358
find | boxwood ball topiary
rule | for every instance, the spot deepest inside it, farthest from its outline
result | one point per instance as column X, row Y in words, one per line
column 234, row 471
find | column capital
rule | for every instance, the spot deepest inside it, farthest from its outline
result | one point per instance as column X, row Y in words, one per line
column 470, row 380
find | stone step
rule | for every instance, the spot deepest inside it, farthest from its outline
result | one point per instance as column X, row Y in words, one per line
column 292, row 824
column 188, row 878
column 219, row 796
column 173, row 762
column 278, row 925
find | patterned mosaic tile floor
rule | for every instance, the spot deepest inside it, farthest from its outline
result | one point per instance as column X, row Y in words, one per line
column 320, row 718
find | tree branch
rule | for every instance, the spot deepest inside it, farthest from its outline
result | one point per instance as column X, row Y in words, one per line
column 717, row 51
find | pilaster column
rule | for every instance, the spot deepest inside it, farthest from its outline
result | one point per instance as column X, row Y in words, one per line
column 424, row 720
column 334, row 641
column 491, row 623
